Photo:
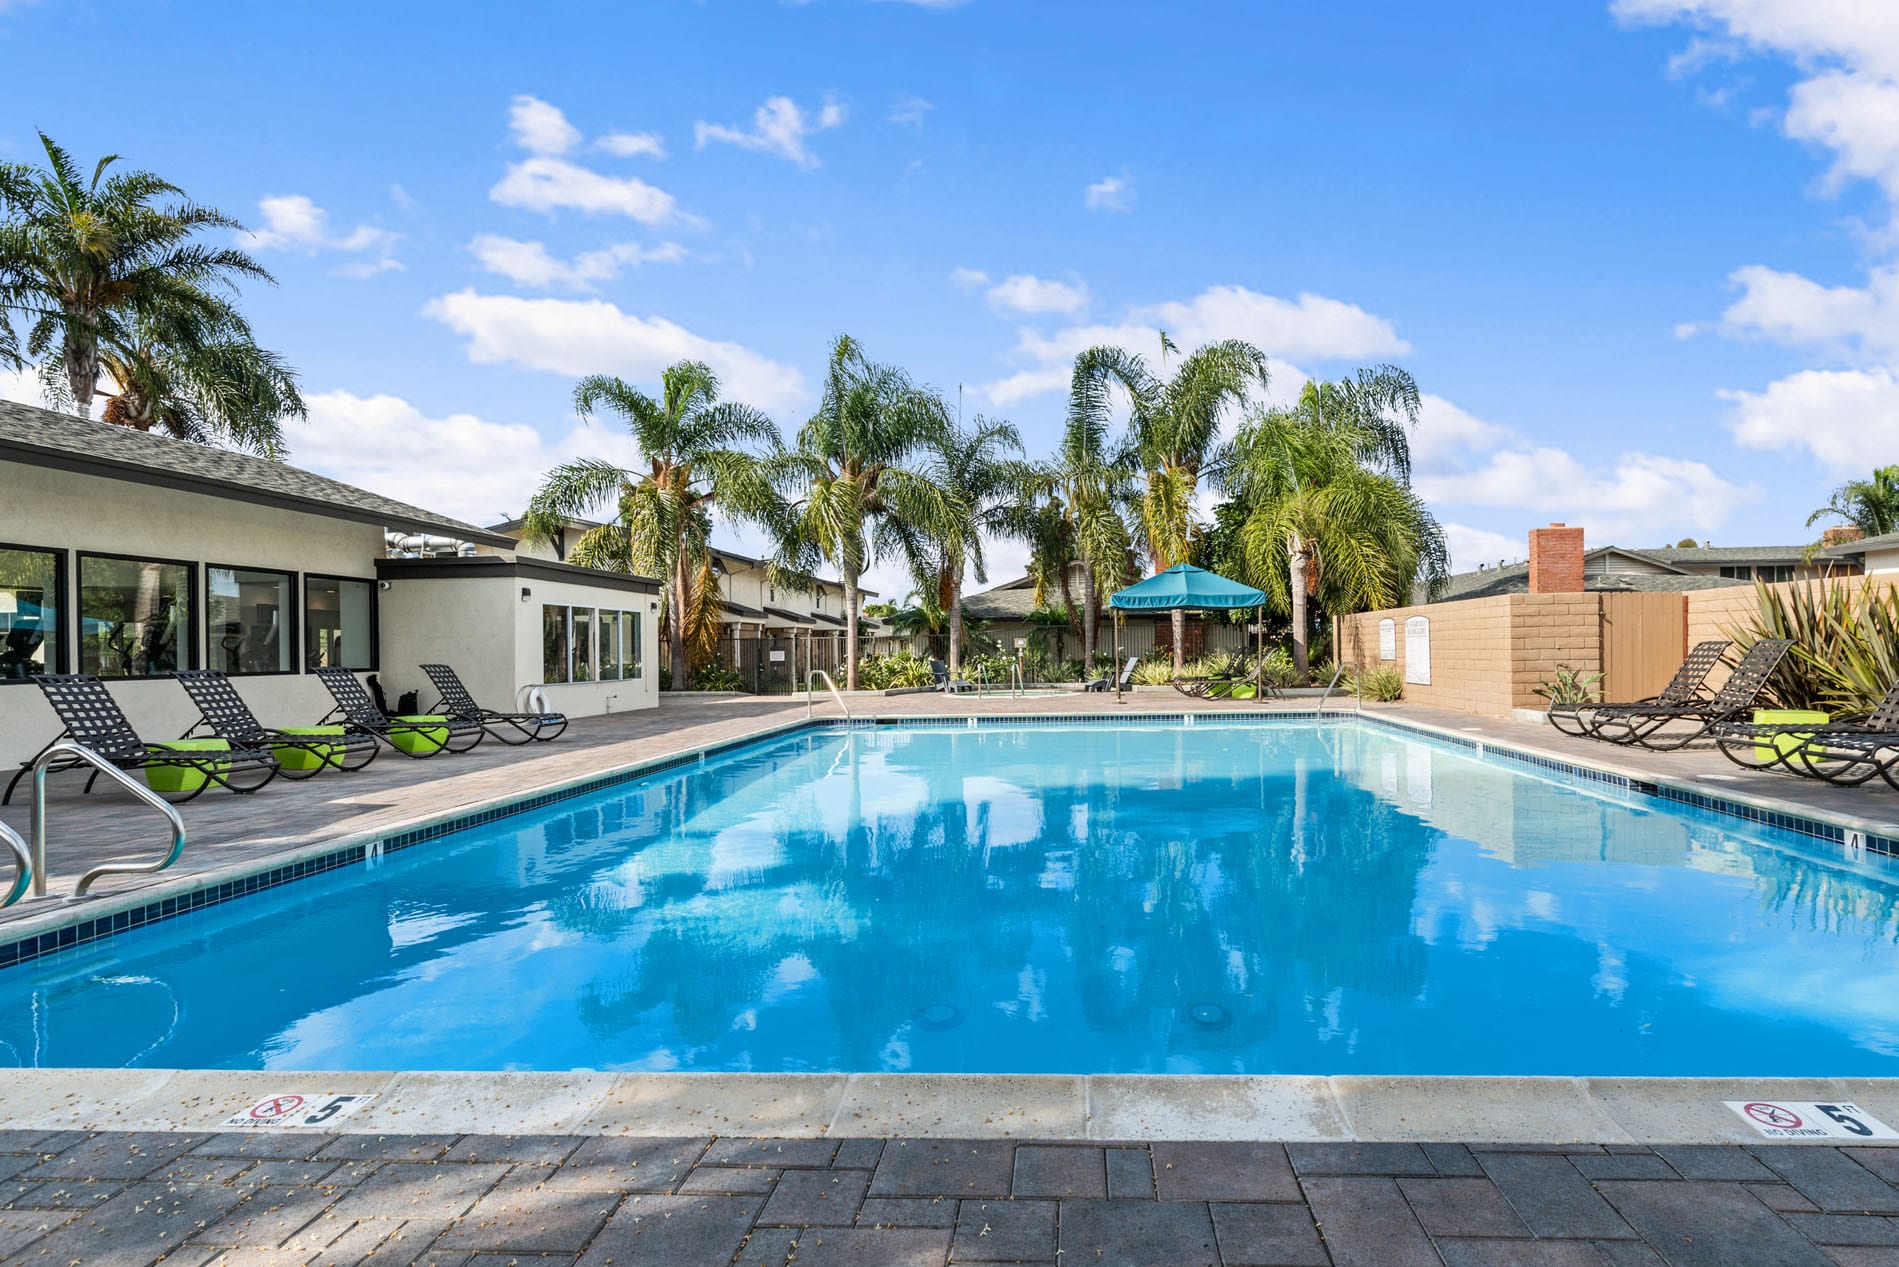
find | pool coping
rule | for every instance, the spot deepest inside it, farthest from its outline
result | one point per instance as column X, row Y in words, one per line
column 1364, row 1108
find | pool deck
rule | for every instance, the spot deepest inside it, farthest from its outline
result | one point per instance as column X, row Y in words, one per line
column 126, row 1166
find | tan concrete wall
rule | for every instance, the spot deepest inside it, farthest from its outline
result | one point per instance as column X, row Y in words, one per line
column 1487, row 654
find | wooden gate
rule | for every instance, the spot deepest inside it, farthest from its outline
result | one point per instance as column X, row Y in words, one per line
column 1644, row 637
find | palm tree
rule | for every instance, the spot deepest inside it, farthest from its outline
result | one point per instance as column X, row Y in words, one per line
column 1870, row 505
column 699, row 453
column 854, row 491
column 1079, row 493
column 83, row 261
column 1325, row 487
column 979, row 474
column 1174, row 429
column 199, row 377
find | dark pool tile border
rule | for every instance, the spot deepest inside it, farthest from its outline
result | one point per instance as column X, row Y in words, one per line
column 84, row 931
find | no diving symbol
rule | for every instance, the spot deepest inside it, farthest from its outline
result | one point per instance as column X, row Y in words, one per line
column 1773, row 1115
column 276, row 1106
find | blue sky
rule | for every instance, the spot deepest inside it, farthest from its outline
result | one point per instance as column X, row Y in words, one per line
column 1639, row 254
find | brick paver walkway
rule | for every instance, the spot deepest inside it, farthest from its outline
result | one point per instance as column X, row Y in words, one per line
column 192, row 1200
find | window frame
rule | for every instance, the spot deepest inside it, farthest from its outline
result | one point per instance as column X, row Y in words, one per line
column 193, row 594
column 375, row 619
column 294, row 619
column 67, row 600
column 566, row 642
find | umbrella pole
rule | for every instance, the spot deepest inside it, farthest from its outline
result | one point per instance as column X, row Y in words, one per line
column 1117, row 655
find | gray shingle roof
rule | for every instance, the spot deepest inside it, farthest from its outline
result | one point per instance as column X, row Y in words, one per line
column 1515, row 579
column 1885, row 541
column 42, row 437
column 1716, row 555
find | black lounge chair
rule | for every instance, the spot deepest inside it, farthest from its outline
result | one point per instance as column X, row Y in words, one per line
column 413, row 736
column 1104, row 682
column 942, row 680
column 1688, row 686
column 301, row 753
column 1218, row 684
column 1843, row 753
column 1646, row 725
column 457, row 703
column 93, row 719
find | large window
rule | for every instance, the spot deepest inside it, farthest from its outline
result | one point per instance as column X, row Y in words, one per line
column 32, row 597
column 248, row 615
column 555, row 641
column 339, row 621
column 584, row 644
column 134, row 616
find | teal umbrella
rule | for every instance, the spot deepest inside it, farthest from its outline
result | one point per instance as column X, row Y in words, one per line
column 1185, row 585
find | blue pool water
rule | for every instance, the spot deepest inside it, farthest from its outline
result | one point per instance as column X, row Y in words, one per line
column 1266, row 897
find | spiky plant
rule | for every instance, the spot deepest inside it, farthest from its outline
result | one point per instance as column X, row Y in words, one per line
column 700, row 453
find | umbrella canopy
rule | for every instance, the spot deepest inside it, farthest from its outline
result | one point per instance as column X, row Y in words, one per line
column 1186, row 586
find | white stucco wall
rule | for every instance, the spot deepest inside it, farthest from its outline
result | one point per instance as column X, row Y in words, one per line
column 1883, row 560
column 64, row 510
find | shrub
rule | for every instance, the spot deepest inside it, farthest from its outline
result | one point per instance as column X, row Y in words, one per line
column 1846, row 644
column 1154, row 672
column 1383, row 684
column 714, row 676
column 1277, row 668
column 1570, row 686
column 900, row 668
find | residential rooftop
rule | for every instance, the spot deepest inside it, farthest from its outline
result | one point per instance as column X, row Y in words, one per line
column 66, row 442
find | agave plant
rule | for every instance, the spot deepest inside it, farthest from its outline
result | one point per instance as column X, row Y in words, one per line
column 1846, row 643
column 1569, row 686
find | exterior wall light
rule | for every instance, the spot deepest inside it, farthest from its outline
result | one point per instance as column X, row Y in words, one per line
column 526, row 594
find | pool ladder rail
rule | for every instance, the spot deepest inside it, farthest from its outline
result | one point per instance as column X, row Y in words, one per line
column 33, row 867
column 810, row 693
column 22, row 865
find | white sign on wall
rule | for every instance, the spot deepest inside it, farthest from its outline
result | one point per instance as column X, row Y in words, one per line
column 1387, row 639
column 777, row 657
column 1417, row 650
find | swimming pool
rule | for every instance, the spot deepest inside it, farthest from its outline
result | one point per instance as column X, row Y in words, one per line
column 1264, row 896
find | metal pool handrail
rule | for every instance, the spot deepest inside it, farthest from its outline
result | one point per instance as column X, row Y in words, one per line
column 22, row 864
column 66, row 748
column 809, row 702
column 1329, row 685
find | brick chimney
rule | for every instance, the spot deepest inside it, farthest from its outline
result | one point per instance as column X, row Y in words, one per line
column 1556, row 560
column 1840, row 536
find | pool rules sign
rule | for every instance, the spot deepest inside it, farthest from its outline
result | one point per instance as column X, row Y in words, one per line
column 296, row 1108
column 1805, row 1119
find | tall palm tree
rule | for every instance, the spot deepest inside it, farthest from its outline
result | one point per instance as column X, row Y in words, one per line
column 1174, row 427
column 1325, row 486
column 1871, row 505
column 199, row 376
column 980, row 475
column 851, row 478
column 699, row 453
column 82, row 260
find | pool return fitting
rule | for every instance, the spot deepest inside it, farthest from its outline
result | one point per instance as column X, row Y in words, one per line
column 37, row 856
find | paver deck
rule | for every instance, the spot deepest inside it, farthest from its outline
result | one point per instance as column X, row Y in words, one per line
column 246, row 1200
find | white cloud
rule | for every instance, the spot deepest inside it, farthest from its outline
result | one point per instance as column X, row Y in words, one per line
column 545, row 183
column 1790, row 309
column 293, row 222
column 1026, row 295
column 1446, row 433
column 1471, row 547
column 575, row 337
column 909, row 110
column 633, row 144
column 1111, row 193
column 540, row 128
column 1311, row 327
column 969, row 279
column 1644, row 497
column 779, row 127
column 1847, row 419
column 458, row 464
column 531, row 264
column 23, row 386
